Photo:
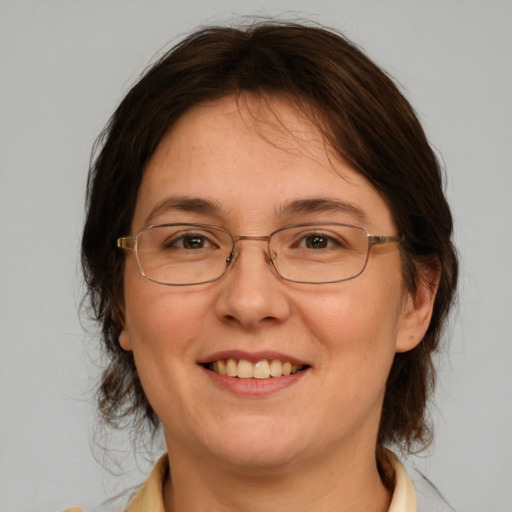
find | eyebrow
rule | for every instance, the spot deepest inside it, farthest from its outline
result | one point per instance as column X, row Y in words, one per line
column 322, row 205
column 304, row 206
column 184, row 204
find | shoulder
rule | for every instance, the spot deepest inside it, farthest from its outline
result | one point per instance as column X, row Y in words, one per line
column 149, row 496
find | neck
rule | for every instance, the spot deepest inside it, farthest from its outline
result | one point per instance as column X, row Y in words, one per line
column 333, row 484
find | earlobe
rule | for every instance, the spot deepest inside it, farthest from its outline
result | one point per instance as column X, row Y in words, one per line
column 124, row 340
column 124, row 337
column 417, row 312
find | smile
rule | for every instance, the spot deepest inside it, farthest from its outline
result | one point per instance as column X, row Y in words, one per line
column 263, row 369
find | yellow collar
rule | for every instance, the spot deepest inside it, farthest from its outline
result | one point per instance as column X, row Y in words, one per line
column 150, row 497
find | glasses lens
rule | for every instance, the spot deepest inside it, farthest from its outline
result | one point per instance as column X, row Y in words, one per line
column 183, row 253
column 317, row 253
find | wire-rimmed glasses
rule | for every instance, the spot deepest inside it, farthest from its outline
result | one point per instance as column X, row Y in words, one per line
column 313, row 253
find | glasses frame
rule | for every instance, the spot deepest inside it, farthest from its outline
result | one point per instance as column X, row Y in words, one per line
column 130, row 243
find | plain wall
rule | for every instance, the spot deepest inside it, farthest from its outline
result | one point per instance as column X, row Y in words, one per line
column 64, row 65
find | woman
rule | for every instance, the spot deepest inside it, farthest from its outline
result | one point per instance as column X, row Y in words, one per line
column 268, row 250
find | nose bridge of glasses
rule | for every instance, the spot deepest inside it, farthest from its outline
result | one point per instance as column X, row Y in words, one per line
column 248, row 238
column 238, row 238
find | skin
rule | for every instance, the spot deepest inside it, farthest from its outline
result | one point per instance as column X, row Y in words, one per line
column 310, row 445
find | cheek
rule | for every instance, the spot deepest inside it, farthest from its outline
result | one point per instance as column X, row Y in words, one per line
column 157, row 322
column 162, row 326
column 160, row 322
column 354, row 332
column 355, row 315
column 355, row 325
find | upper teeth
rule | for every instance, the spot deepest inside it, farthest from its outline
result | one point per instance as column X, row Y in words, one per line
column 260, row 370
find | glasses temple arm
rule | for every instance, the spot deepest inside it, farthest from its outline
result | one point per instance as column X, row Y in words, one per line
column 126, row 242
column 384, row 239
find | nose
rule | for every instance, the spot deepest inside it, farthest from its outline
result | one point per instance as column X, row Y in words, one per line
column 251, row 292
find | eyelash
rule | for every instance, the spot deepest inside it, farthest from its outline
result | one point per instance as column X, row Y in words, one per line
column 331, row 240
column 175, row 240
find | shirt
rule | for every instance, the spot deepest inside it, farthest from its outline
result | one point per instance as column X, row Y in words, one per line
column 150, row 497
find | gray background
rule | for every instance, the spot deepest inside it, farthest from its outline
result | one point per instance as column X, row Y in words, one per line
column 64, row 65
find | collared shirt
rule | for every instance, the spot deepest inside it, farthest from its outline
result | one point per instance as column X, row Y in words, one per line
column 150, row 497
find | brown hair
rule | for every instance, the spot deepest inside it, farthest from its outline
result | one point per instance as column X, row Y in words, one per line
column 366, row 120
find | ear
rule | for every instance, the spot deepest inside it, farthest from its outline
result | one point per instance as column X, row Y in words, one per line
column 124, row 337
column 124, row 340
column 417, row 311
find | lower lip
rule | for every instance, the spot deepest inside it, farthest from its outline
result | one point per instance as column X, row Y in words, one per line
column 254, row 387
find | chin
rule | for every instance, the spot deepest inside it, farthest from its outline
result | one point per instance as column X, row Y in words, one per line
column 260, row 458
column 260, row 444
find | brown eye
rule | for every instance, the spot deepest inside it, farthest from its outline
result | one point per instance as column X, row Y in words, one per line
column 316, row 242
column 193, row 242
column 188, row 241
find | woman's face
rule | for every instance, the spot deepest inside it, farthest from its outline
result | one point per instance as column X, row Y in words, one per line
column 251, row 160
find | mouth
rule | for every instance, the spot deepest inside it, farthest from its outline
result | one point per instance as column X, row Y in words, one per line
column 261, row 370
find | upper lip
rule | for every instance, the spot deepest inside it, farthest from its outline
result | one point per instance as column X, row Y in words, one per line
column 253, row 357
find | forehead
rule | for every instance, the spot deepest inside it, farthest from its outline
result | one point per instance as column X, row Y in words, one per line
column 277, row 124
column 251, row 157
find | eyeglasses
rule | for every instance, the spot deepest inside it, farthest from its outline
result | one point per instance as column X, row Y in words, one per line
column 189, row 254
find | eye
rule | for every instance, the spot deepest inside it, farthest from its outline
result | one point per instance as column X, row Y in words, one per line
column 194, row 242
column 320, row 241
column 189, row 241
column 316, row 241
